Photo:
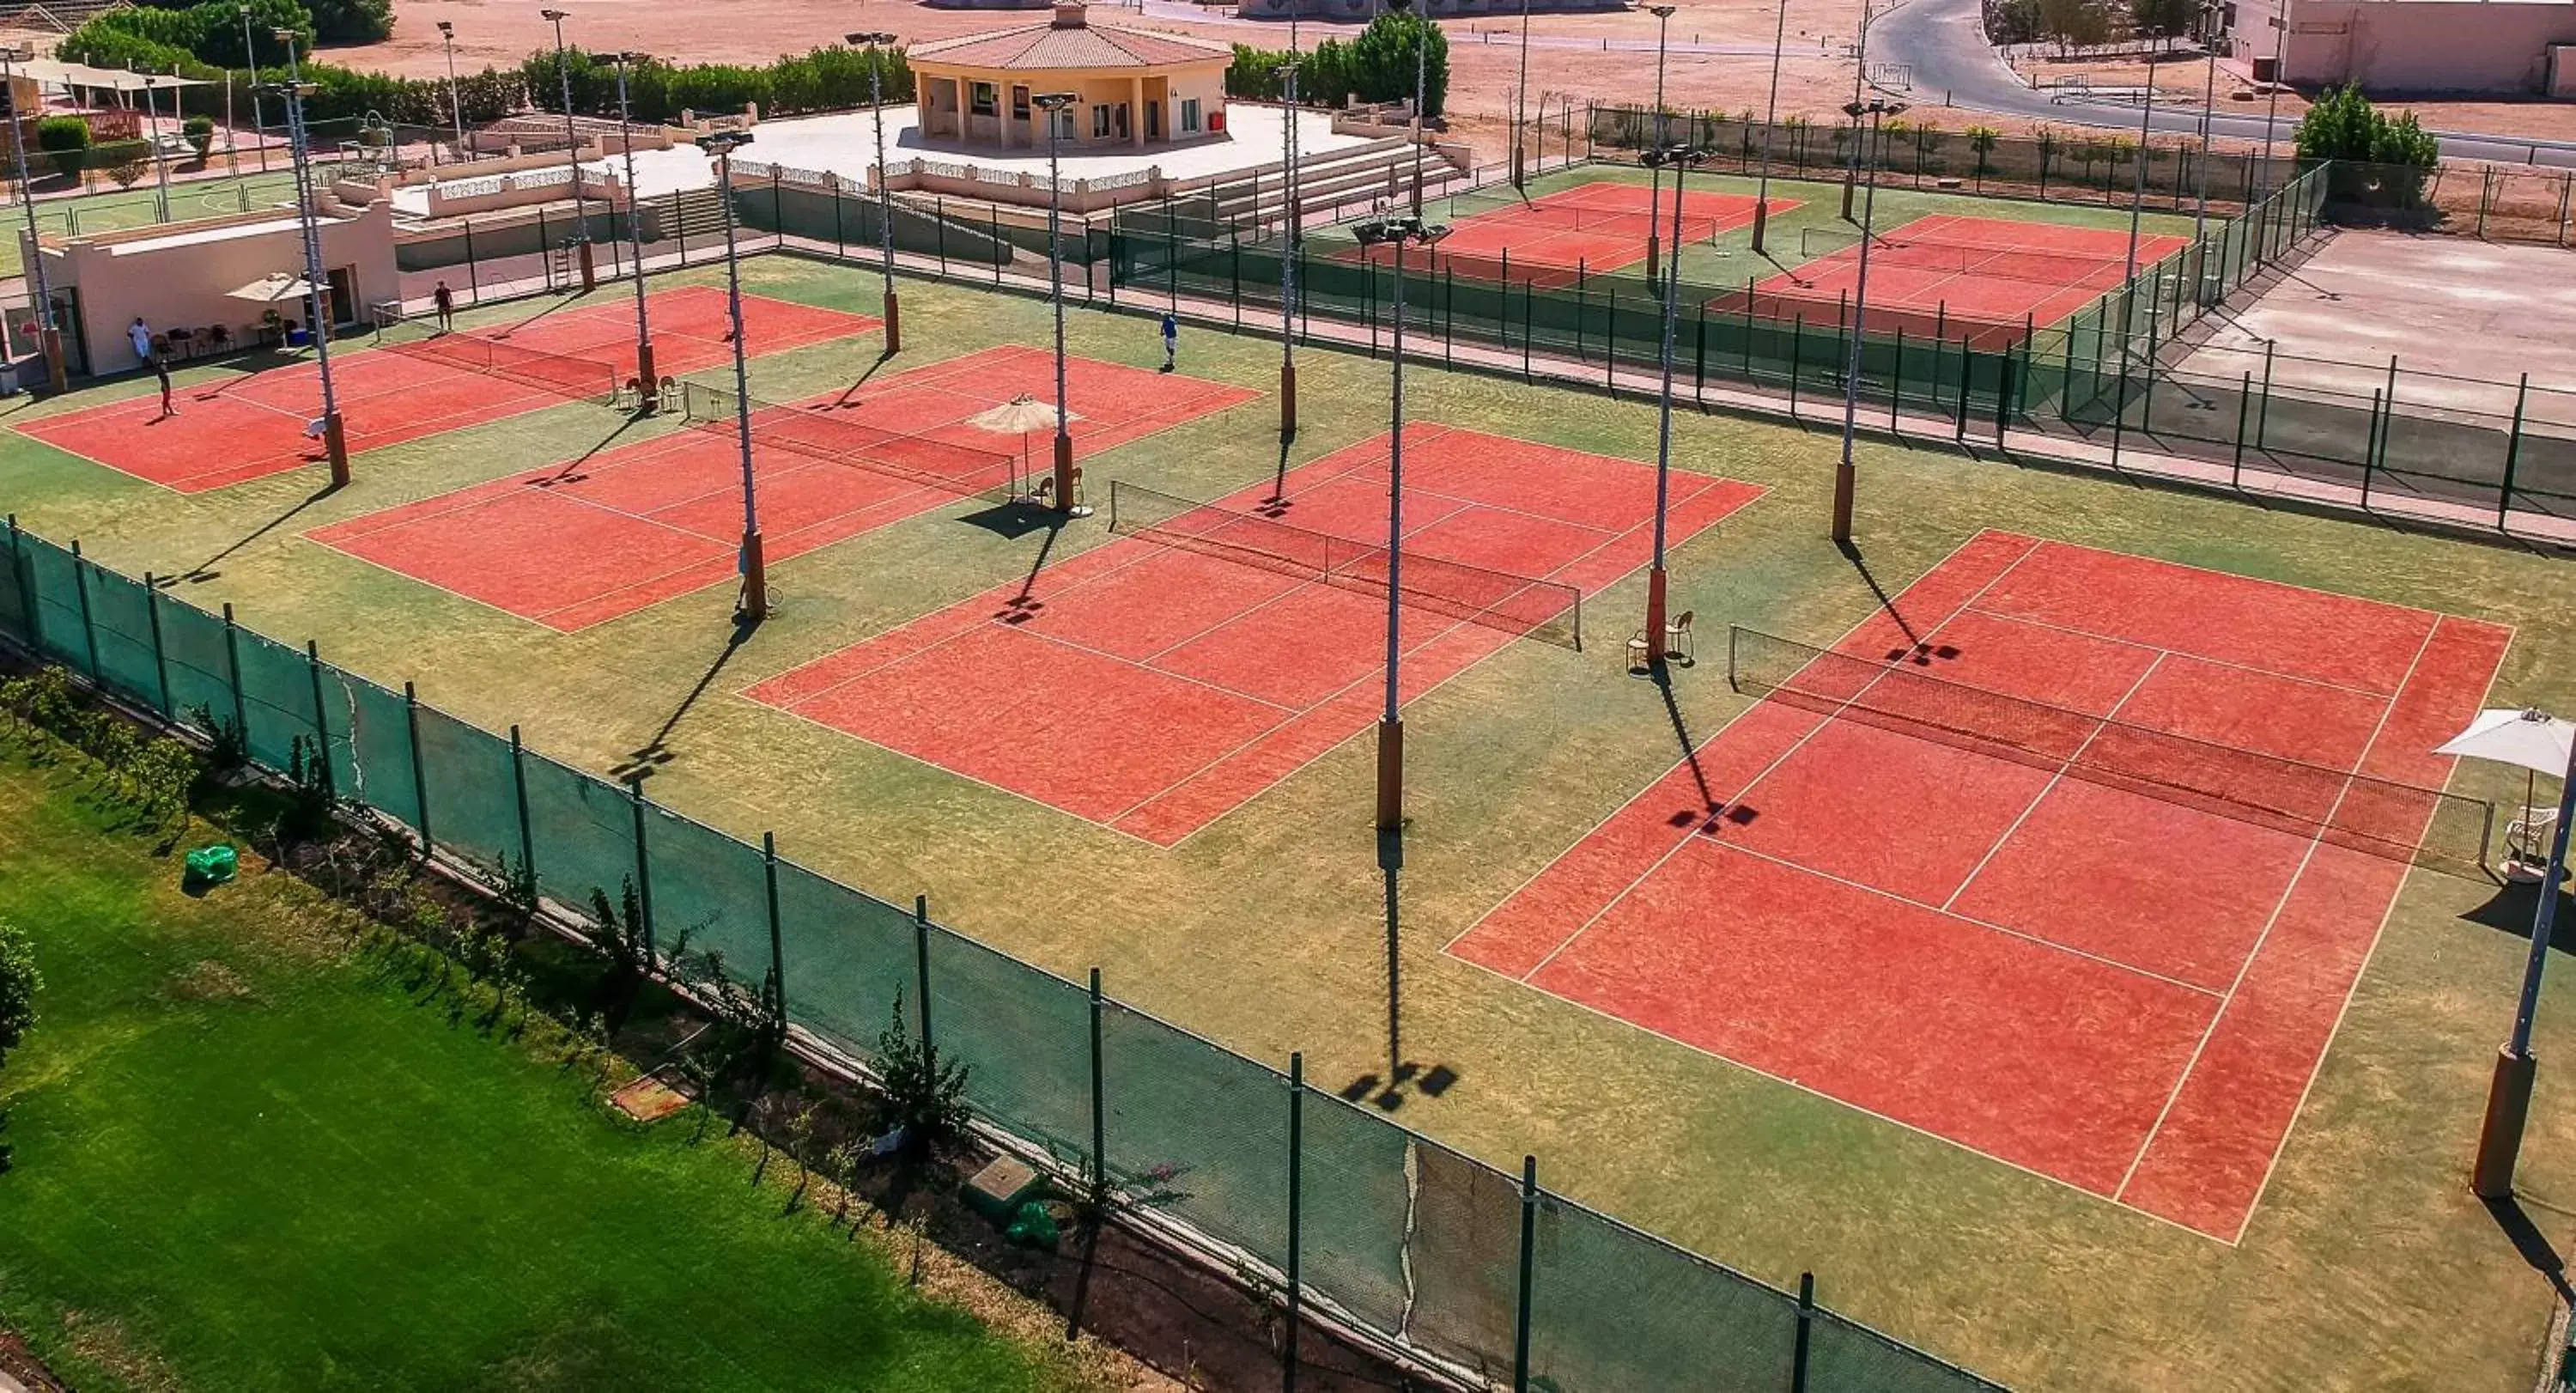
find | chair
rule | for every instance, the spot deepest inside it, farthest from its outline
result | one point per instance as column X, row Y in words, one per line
column 2526, row 844
column 1678, row 643
column 219, row 340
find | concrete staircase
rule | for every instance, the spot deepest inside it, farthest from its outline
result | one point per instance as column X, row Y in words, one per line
column 1381, row 170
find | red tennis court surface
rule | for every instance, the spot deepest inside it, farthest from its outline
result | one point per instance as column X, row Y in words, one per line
column 1988, row 280
column 612, row 533
column 1154, row 688
column 1587, row 230
column 252, row 426
column 2123, row 992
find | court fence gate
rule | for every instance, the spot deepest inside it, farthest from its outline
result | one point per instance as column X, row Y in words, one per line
column 1426, row 1252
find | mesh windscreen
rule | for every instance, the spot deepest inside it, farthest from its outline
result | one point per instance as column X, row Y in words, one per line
column 1613, row 1309
column 1196, row 1131
column 584, row 832
column 51, row 573
column 1358, row 1205
column 277, row 699
column 1025, row 1035
column 712, row 888
column 377, row 724
column 192, row 645
column 473, row 804
column 119, row 608
column 1466, row 1258
column 848, row 957
column 1846, row 1357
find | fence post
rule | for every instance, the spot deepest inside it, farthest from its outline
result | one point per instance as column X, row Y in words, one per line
column 643, row 865
column 2008, row 374
column 1806, row 1319
column 26, row 586
column 1099, row 1104
column 1296, row 1206
column 233, row 677
column 1003, row 255
column 1449, row 316
column 2486, row 195
column 777, row 208
column 939, row 230
column 1699, row 355
column 1234, row 248
column 419, row 772
column 1610, row 346
column 1896, row 383
column 321, row 715
column 160, row 656
column 2512, row 452
column 1797, row 359
column 1529, row 1254
column 2263, row 408
column 2566, row 194
column 89, row 630
column 921, row 962
column 777, row 950
column 545, row 247
column 2244, row 400
column 840, row 239
column 2120, row 410
column 1967, row 365
column 1581, row 277
column 527, row 831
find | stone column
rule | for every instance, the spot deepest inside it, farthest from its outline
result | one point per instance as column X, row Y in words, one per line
column 1136, row 112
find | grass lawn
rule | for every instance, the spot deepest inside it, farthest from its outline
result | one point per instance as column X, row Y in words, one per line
column 248, row 1159
column 2366, row 1265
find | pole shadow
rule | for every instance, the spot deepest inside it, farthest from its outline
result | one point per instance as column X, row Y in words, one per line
column 2532, row 1244
column 205, row 570
column 644, row 759
column 1388, row 1092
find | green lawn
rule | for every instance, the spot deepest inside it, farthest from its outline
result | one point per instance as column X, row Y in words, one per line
column 2367, row 1264
column 248, row 1159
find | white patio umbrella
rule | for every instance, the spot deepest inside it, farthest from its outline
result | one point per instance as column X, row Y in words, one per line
column 276, row 288
column 1019, row 416
column 2537, row 741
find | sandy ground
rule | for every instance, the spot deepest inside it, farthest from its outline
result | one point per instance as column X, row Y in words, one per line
column 2182, row 81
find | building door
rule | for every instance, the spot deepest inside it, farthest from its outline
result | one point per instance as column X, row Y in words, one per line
column 1153, row 120
column 344, row 295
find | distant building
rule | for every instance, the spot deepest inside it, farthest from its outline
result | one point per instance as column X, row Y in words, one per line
column 2407, row 45
column 1132, row 88
column 1357, row 10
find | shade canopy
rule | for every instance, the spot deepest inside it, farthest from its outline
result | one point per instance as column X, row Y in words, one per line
column 277, row 288
column 1018, row 416
column 2534, row 740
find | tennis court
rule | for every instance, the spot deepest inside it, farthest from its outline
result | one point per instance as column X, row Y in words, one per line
column 254, row 425
column 1988, row 280
column 1159, row 681
column 612, row 533
column 2069, row 857
column 1572, row 234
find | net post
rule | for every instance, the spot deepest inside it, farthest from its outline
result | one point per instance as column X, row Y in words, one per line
column 527, row 829
column 419, row 771
column 233, row 677
column 321, row 715
column 777, row 948
column 1806, row 1321
column 2512, row 453
column 643, row 864
column 160, row 655
column 921, row 963
column 89, row 629
column 1529, row 1263
column 1296, row 1217
column 1734, row 642
column 1099, row 1104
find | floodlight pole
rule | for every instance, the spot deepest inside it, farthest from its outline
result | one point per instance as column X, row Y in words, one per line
column 572, row 155
column 1655, row 141
column 1520, row 106
column 2509, row 1092
column 1390, row 726
column 1288, row 239
column 455, row 98
column 2209, row 10
column 647, row 379
column 250, row 55
column 1770, row 118
column 49, row 336
column 1421, row 89
column 755, row 569
column 1866, row 121
column 1860, row 72
column 1054, row 104
column 335, row 444
column 885, row 188
column 1681, row 158
column 152, row 140
column 2272, row 108
column 2138, row 195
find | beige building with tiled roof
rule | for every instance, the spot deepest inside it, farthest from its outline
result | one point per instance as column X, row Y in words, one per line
column 1133, row 89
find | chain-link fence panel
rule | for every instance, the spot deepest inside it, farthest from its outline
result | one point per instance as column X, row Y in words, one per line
column 1847, row 1357
column 277, row 700
column 1357, row 1207
column 583, row 831
column 711, row 889
column 1197, row 1132
column 1024, row 1034
column 378, row 769
column 55, row 578
column 1465, row 1259
column 849, row 958
column 1613, row 1309
column 194, row 652
column 470, row 791
column 121, row 621
column 17, row 606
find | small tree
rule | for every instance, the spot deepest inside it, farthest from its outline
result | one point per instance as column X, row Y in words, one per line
column 200, row 131
column 126, row 161
column 65, row 140
column 1983, row 140
column 19, row 983
column 925, row 1096
column 2378, row 159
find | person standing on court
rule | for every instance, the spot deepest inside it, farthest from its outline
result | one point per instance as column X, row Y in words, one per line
column 1171, row 339
column 445, row 301
column 161, row 370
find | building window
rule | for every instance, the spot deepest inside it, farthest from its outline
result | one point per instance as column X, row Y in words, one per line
column 985, row 99
column 1100, row 122
column 1189, row 114
column 1019, row 103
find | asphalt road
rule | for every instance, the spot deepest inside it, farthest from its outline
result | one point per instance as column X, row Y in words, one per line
column 1946, row 49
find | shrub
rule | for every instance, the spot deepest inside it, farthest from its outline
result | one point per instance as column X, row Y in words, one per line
column 65, row 139
column 200, row 131
column 2379, row 160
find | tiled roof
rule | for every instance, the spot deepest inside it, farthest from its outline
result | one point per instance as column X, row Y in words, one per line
column 1039, row 46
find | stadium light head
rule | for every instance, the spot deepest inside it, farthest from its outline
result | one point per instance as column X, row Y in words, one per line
column 1055, row 101
column 446, row 30
column 1661, row 11
column 558, row 16
column 723, row 143
column 868, row 40
column 282, row 35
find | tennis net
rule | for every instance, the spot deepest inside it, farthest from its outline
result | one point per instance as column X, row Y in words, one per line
column 2039, row 266
column 587, row 378
column 2401, row 822
column 1549, row 611
column 938, row 464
